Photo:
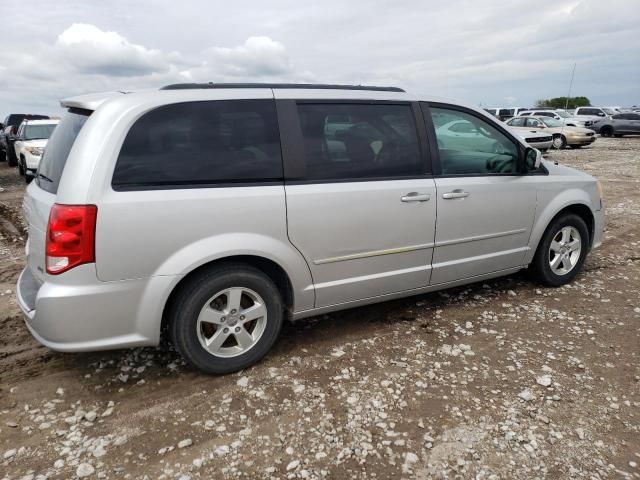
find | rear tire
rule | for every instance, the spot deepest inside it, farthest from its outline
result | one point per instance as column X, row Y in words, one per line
column 215, row 304
column 561, row 251
column 559, row 142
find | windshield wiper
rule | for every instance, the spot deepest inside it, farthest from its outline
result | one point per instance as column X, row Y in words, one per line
column 44, row 177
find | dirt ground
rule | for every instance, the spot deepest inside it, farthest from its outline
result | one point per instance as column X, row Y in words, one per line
column 502, row 379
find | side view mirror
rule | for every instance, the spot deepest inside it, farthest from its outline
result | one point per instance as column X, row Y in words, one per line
column 533, row 158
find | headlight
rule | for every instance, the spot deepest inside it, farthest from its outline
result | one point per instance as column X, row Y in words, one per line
column 36, row 151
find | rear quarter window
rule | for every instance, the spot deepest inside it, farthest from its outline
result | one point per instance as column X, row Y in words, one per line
column 199, row 144
column 58, row 147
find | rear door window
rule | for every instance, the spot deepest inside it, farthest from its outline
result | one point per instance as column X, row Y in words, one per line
column 58, row 148
column 201, row 143
column 377, row 141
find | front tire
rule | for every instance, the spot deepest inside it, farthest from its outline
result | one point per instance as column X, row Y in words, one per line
column 226, row 318
column 562, row 251
column 21, row 169
column 606, row 131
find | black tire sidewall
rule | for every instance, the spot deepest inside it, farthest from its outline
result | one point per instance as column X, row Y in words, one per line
column 189, row 301
column 541, row 265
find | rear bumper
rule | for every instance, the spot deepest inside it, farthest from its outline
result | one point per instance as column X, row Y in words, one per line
column 83, row 314
column 581, row 140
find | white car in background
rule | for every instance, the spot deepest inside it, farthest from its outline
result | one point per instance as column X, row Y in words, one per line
column 541, row 141
column 31, row 138
column 459, row 134
column 567, row 119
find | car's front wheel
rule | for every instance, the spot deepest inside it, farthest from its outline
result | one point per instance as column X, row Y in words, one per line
column 21, row 169
column 226, row 318
column 562, row 251
column 606, row 131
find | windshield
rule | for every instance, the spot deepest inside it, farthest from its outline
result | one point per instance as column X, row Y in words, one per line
column 563, row 114
column 551, row 122
column 609, row 111
column 58, row 148
column 38, row 132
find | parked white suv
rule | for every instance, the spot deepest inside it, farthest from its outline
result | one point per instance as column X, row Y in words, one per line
column 603, row 112
column 215, row 212
column 31, row 139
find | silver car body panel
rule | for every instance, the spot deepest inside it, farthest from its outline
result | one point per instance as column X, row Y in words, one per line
column 341, row 244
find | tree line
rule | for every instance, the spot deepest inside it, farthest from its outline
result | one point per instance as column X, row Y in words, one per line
column 564, row 102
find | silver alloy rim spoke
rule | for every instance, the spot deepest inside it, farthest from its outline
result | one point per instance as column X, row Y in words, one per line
column 231, row 322
column 256, row 311
column 565, row 250
column 216, row 341
column 233, row 299
column 209, row 315
column 244, row 338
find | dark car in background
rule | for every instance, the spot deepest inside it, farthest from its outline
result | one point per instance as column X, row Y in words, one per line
column 618, row 125
column 8, row 135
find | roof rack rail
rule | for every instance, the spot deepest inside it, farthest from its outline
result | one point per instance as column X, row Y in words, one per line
column 312, row 86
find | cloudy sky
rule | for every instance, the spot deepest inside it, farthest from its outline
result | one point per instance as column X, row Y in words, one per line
column 489, row 52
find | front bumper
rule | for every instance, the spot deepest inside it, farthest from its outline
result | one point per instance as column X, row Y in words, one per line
column 81, row 313
column 541, row 145
column 598, row 226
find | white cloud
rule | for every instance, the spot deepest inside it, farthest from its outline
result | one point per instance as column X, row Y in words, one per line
column 91, row 50
column 258, row 56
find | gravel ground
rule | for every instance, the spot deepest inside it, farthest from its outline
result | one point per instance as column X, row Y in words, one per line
column 503, row 379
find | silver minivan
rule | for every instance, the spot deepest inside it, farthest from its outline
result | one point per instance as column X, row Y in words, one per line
column 211, row 213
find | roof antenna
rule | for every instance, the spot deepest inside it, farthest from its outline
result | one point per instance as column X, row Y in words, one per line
column 566, row 103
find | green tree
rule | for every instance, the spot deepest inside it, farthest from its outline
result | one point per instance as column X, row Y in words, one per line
column 561, row 102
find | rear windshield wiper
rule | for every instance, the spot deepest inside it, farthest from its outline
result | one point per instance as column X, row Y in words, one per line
column 44, row 177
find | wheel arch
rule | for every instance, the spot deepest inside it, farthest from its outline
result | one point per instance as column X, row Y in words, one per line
column 578, row 208
column 268, row 266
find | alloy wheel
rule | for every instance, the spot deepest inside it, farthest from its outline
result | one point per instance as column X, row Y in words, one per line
column 565, row 250
column 231, row 322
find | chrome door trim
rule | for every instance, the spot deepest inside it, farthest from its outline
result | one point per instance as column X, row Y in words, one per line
column 373, row 253
column 480, row 237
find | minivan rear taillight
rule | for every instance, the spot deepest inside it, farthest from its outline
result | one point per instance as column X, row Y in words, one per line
column 70, row 237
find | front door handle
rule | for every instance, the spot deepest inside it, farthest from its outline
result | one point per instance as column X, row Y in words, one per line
column 415, row 197
column 455, row 194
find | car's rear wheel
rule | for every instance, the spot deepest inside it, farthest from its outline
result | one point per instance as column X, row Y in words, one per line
column 562, row 251
column 606, row 131
column 226, row 318
column 559, row 142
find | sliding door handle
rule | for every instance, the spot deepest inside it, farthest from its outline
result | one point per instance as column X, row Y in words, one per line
column 415, row 197
column 455, row 194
